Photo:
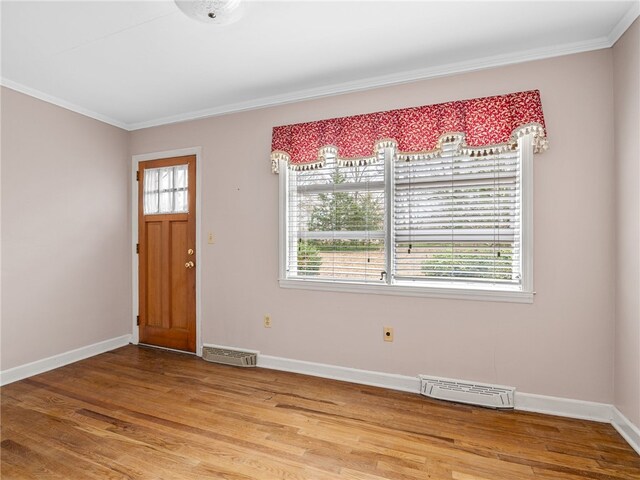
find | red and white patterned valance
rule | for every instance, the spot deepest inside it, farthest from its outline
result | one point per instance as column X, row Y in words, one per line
column 481, row 125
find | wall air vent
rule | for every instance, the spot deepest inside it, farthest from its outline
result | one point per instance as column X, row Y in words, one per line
column 229, row 357
column 483, row 394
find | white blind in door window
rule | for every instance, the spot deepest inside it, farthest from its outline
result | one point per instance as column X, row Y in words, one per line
column 166, row 190
column 336, row 223
column 457, row 218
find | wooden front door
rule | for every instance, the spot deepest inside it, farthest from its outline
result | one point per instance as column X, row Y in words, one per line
column 166, row 236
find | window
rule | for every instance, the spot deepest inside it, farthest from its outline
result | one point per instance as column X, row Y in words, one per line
column 165, row 190
column 457, row 218
column 450, row 223
column 336, row 223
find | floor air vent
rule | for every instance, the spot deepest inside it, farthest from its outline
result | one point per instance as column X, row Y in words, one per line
column 229, row 357
column 483, row 394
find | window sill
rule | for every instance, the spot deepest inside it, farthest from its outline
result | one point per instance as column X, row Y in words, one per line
column 477, row 294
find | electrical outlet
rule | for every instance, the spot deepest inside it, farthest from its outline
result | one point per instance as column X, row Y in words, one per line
column 211, row 239
column 267, row 320
column 387, row 334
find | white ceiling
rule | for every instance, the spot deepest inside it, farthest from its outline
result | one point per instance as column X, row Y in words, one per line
column 141, row 63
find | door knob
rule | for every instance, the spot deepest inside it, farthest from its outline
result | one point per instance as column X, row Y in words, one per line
column 189, row 265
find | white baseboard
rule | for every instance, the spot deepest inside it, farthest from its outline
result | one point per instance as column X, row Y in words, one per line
column 40, row 366
column 354, row 375
column 563, row 407
column 628, row 430
column 528, row 402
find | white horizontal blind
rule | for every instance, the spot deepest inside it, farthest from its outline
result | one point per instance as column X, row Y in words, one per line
column 457, row 218
column 335, row 222
column 166, row 190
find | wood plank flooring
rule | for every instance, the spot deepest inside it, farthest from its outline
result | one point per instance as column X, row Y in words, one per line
column 141, row 413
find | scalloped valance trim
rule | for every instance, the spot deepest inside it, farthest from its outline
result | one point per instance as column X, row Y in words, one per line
column 331, row 151
column 481, row 126
column 540, row 144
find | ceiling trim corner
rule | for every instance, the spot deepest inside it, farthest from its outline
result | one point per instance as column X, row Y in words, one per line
column 32, row 92
column 624, row 23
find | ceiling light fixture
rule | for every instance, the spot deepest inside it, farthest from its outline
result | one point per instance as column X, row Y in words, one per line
column 217, row 12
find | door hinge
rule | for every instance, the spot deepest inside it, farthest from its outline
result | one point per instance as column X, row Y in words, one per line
column 138, row 320
column 137, row 248
column 137, row 176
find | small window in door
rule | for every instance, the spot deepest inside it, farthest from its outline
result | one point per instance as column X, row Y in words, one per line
column 165, row 190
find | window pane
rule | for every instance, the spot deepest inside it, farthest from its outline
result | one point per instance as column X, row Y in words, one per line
column 166, row 190
column 336, row 223
column 150, row 191
column 361, row 260
column 460, row 261
column 457, row 218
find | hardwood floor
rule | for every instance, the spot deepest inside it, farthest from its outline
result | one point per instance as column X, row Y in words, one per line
column 151, row 414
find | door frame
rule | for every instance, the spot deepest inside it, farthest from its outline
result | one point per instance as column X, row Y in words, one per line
column 135, row 160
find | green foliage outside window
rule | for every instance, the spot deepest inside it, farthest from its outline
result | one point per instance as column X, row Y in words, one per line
column 345, row 211
column 339, row 211
column 464, row 263
column 308, row 258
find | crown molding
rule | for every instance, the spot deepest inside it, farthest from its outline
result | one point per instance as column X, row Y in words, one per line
column 353, row 86
column 32, row 92
column 624, row 23
column 383, row 81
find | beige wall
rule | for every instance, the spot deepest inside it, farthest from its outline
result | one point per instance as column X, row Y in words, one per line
column 561, row 345
column 66, row 253
column 65, row 241
column 626, row 74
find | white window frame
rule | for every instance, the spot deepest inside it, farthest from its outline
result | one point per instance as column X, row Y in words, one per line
column 461, row 291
